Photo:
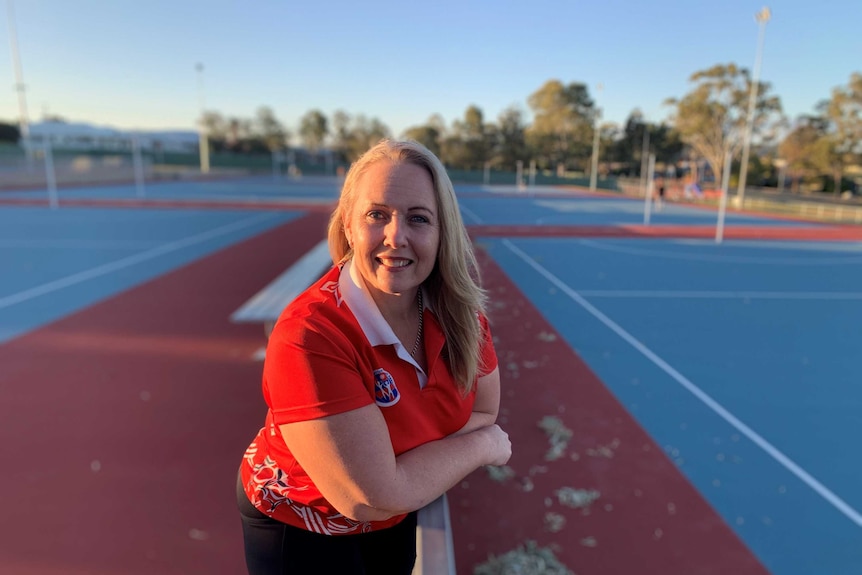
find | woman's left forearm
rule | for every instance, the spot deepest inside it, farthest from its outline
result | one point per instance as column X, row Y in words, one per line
column 478, row 420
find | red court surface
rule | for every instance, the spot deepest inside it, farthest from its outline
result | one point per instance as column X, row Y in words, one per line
column 647, row 519
column 124, row 425
column 736, row 232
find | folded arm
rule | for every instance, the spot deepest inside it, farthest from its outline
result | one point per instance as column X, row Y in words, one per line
column 349, row 457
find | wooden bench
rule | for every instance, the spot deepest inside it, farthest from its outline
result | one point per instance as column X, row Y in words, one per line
column 267, row 304
column 434, row 549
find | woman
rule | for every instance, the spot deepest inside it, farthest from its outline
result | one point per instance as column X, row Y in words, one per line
column 381, row 381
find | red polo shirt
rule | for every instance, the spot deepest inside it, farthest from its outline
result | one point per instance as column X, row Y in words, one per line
column 330, row 352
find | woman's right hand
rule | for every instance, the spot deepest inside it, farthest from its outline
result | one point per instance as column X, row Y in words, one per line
column 500, row 447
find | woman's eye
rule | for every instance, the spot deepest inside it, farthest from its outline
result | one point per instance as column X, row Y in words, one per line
column 375, row 215
column 419, row 219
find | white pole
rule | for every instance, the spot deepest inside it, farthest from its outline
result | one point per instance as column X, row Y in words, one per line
column 722, row 205
column 50, row 176
column 644, row 157
column 23, row 121
column 138, row 164
column 762, row 18
column 532, row 173
column 648, row 191
column 594, row 164
column 203, row 140
column 519, row 174
column 486, row 177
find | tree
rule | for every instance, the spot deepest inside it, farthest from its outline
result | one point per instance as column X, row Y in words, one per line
column 313, row 129
column 341, row 133
column 427, row 135
column 711, row 119
column 511, row 141
column 353, row 136
column 627, row 149
column 467, row 146
column 563, row 122
column 271, row 131
column 9, row 133
column 215, row 125
column 800, row 147
column 844, row 112
column 365, row 133
column 238, row 136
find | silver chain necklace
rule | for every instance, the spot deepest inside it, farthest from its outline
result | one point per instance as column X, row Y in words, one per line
column 419, row 333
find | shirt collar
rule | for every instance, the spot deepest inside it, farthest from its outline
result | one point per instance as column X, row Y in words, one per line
column 367, row 314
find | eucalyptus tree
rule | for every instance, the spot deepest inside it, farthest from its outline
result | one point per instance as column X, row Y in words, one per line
column 801, row 147
column 711, row 119
column 467, row 145
column 510, row 144
column 215, row 125
column 270, row 130
column 427, row 135
column 628, row 148
column 562, row 128
column 340, row 132
column 9, row 133
column 843, row 145
column 353, row 135
column 364, row 133
column 313, row 129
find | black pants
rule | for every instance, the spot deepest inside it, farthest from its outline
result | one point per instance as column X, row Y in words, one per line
column 275, row 548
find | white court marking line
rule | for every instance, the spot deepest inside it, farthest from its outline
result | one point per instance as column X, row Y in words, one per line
column 77, row 244
column 130, row 261
column 720, row 258
column 673, row 294
column 770, row 449
column 472, row 214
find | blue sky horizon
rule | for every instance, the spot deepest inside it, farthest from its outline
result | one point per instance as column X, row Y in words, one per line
column 132, row 65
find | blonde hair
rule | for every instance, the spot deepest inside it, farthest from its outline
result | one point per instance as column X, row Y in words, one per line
column 454, row 286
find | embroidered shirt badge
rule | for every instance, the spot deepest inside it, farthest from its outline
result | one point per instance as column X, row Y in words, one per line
column 386, row 394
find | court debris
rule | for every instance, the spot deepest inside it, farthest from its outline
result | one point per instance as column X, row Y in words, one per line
column 576, row 498
column 527, row 559
column 554, row 522
column 558, row 435
column 500, row 473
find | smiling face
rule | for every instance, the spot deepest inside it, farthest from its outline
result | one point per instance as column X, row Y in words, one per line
column 394, row 228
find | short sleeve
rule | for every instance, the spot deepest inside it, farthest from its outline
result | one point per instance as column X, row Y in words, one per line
column 487, row 353
column 310, row 371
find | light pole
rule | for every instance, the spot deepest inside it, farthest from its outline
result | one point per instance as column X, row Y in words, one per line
column 203, row 140
column 762, row 18
column 23, row 122
column 595, row 160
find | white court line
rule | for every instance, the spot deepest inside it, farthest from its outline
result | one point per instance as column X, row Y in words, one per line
column 770, row 449
column 472, row 214
column 691, row 294
column 130, row 261
column 721, row 258
column 76, row 244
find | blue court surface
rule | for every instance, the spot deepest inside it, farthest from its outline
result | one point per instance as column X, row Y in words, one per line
column 55, row 262
column 741, row 359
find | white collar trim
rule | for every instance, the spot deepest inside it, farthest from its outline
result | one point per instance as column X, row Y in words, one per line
column 371, row 321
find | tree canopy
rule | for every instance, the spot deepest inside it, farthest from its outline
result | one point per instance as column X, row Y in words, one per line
column 711, row 119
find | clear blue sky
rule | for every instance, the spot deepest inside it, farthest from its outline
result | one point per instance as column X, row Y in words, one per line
column 131, row 64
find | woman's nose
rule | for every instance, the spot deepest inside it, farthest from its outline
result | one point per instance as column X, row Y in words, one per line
column 396, row 233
